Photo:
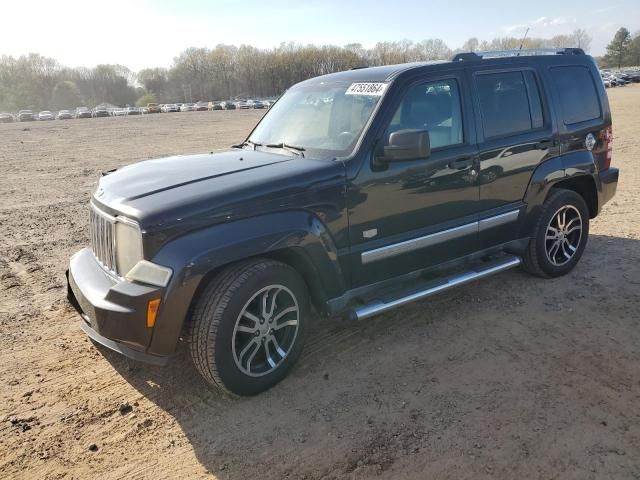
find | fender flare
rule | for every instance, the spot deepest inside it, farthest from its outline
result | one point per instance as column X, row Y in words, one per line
column 547, row 175
column 297, row 237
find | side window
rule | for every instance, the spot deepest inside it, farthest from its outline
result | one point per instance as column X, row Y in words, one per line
column 433, row 106
column 509, row 103
column 577, row 92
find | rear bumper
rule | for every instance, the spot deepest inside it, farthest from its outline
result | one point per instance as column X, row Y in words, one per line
column 609, row 185
column 113, row 311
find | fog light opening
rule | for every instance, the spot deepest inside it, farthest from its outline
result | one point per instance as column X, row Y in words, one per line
column 152, row 312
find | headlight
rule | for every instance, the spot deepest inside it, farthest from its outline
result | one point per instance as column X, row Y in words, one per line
column 151, row 273
column 128, row 245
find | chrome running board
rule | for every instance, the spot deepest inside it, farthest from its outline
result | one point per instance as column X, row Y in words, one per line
column 439, row 285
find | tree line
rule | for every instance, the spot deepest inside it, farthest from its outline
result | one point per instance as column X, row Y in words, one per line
column 623, row 50
column 226, row 71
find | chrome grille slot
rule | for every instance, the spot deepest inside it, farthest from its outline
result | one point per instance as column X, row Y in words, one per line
column 103, row 238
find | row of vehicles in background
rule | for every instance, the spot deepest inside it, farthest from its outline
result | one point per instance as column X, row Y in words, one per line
column 215, row 105
column 104, row 111
column 44, row 115
column 619, row 79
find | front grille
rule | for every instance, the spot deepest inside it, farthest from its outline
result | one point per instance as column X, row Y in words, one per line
column 103, row 238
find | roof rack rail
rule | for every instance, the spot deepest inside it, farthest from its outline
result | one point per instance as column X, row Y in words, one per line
column 475, row 56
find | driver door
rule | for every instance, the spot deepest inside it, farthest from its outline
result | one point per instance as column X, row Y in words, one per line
column 408, row 215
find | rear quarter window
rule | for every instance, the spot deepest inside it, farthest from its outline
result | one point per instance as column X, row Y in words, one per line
column 578, row 94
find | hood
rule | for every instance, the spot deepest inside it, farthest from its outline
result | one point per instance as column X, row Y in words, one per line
column 227, row 184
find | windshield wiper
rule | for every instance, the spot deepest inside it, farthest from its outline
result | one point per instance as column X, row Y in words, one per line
column 247, row 142
column 289, row 148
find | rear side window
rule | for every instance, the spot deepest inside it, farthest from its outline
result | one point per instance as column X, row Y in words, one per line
column 509, row 103
column 578, row 94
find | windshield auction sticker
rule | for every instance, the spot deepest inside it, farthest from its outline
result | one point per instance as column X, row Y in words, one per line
column 368, row 88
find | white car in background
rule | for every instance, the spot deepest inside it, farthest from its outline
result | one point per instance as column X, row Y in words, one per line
column 45, row 115
column 188, row 107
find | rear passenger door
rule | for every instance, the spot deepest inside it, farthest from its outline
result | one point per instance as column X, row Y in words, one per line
column 515, row 134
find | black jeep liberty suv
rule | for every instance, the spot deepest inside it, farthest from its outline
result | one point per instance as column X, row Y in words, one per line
column 357, row 192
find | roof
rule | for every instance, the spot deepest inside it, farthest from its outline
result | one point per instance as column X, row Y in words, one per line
column 382, row 73
column 387, row 73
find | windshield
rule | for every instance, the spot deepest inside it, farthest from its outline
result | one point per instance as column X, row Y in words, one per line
column 324, row 119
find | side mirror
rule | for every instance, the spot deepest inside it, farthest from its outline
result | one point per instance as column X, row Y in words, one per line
column 405, row 145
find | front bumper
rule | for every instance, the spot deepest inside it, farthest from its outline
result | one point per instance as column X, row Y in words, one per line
column 113, row 311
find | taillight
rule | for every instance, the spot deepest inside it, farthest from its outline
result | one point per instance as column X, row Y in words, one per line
column 608, row 145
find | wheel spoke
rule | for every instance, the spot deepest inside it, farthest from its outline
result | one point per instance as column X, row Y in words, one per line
column 272, row 308
column 251, row 357
column 577, row 227
column 245, row 329
column 562, row 219
column 564, row 251
column 573, row 249
column 281, row 352
column 250, row 316
column 265, row 297
column 289, row 323
column 284, row 312
column 554, row 250
column 269, row 359
column 253, row 342
column 568, row 225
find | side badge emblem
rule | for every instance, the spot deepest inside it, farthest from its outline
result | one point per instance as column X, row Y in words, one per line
column 370, row 233
column 590, row 142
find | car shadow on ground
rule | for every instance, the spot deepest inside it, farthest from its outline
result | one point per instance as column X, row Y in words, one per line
column 364, row 394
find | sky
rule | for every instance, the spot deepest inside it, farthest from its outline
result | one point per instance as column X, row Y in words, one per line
column 148, row 33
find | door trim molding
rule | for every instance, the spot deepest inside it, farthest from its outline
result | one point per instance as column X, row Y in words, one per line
column 406, row 246
column 498, row 220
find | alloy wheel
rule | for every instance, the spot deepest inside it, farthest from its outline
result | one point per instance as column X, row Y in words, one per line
column 563, row 235
column 265, row 330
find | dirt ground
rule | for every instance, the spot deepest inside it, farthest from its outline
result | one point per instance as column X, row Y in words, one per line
column 514, row 377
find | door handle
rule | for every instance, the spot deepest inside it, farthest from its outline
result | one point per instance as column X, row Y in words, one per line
column 461, row 163
column 544, row 145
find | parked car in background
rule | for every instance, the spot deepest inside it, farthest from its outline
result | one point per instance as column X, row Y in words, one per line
column 215, row 106
column 623, row 77
column 201, row 107
column 153, row 108
column 45, row 115
column 119, row 112
column 171, row 107
column 6, row 117
column 133, row 111
column 634, row 75
column 82, row 112
column 188, row 107
column 256, row 104
column 228, row 105
column 179, row 105
column 242, row 105
column 100, row 112
column 64, row 115
column 26, row 116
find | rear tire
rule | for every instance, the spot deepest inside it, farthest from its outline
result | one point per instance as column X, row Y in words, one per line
column 249, row 325
column 560, row 235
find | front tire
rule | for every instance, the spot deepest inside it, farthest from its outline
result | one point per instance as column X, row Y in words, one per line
column 249, row 325
column 560, row 235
